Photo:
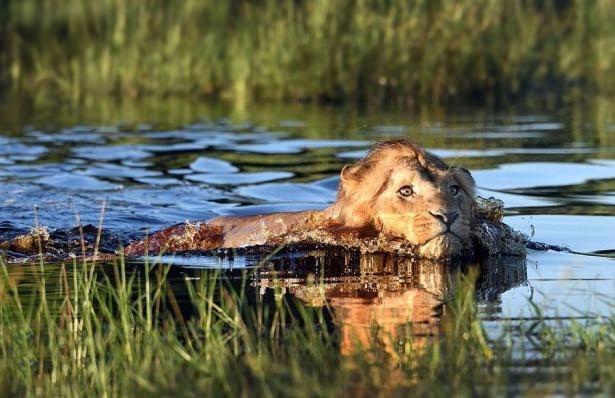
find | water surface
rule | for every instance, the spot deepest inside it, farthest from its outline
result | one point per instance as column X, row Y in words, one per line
column 161, row 164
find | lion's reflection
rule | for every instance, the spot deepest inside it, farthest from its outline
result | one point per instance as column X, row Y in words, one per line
column 392, row 301
column 383, row 300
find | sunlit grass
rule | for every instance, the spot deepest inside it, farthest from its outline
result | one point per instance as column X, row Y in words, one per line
column 84, row 329
column 372, row 50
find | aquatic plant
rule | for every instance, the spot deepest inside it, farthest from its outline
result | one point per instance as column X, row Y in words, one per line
column 116, row 330
column 370, row 50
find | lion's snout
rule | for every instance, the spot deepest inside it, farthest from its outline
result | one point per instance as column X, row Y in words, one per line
column 430, row 224
column 447, row 218
column 440, row 233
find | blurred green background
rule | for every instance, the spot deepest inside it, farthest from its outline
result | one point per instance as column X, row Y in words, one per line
column 366, row 51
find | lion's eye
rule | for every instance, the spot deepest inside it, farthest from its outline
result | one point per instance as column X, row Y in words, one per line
column 454, row 189
column 406, row 191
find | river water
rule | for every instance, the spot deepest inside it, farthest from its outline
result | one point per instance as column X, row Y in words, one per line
column 155, row 164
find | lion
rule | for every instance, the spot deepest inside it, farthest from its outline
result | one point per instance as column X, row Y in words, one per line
column 398, row 191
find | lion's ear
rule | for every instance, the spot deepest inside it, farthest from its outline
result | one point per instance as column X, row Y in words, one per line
column 347, row 175
column 464, row 178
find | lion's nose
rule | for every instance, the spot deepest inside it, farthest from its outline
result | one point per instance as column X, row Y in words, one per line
column 447, row 218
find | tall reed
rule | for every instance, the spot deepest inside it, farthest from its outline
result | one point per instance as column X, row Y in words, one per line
column 80, row 330
column 368, row 50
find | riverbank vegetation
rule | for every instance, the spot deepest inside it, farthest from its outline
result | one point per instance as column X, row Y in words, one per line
column 83, row 330
column 370, row 51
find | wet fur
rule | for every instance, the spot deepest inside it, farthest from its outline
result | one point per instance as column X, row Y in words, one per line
column 367, row 204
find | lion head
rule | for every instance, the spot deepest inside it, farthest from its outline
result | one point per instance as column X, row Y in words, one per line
column 403, row 191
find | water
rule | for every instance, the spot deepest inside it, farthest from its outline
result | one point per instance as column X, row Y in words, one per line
column 153, row 165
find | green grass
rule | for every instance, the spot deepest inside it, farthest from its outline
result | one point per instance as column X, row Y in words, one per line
column 369, row 50
column 86, row 330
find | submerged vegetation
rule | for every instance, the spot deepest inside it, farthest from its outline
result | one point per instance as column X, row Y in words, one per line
column 81, row 329
column 369, row 50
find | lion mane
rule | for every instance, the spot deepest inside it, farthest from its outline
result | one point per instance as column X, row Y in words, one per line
column 362, row 182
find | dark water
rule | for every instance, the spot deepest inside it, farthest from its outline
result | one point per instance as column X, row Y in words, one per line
column 152, row 165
